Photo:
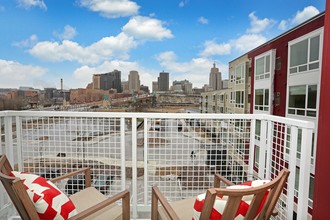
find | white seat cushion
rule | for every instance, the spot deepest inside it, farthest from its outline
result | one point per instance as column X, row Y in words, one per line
column 91, row 196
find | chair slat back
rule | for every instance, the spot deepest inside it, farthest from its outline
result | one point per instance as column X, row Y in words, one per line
column 16, row 191
column 235, row 196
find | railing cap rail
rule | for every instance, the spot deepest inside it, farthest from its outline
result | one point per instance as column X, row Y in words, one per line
column 285, row 120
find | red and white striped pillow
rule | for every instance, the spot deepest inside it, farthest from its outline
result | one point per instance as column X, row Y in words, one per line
column 220, row 202
column 48, row 200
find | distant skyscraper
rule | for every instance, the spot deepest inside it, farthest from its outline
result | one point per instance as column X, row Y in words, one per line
column 124, row 85
column 133, row 81
column 155, row 86
column 163, row 81
column 107, row 81
column 183, row 86
column 215, row 78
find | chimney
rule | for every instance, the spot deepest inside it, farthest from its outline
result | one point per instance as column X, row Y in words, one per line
column 61, row 85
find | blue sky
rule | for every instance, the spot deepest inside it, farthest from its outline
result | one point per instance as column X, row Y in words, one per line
column 43, row 41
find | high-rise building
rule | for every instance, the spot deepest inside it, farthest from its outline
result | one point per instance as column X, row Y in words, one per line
column 215, row 80
column 96, row 81
column 183, row 86
column 155, row 86
column 107, row 81
column 163, row 81
column 124, row 85
column 133, row 81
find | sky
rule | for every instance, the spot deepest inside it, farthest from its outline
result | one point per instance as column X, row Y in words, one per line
column 44, row 41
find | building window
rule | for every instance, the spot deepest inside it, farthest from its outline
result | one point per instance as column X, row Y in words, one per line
column 239, row 99
column 256, row 156
column 263, row 67
column 304, row 55
column 302, row 100
column 261, row 100
column 221, row 98
column 232, row 97
column 239, row 73
column 232, row 76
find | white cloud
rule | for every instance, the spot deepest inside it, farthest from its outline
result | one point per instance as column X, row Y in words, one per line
column 146, row 28
column 14, row 74
column 83, row 75
column 68, row 33
column 305, row 14
column 203, row 20
column 301, row 16
column 30, row 42
column 283, row 25
column 104, row 49
column 196, row 71
column 27, row 4
column 212, row 48
column 183, row 3
column 111, row 8
column 248, row 42
column 258, row 25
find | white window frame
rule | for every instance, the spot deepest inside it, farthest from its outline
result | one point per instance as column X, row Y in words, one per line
column 240, row 77
column 305, row 109
column 308, row 66
column 265, row 82
column 263, row 106
column 266, row 73
column 239, row 103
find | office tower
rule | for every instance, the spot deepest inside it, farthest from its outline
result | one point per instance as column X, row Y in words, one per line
column 183, row 86
column 215, row 78
column 163, row 81
column 133, row 81
column 107, row 81
column 155, row 86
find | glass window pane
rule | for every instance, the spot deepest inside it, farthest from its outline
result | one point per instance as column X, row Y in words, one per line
column 303, row 68
column 238, row 97
column 239, row 72
column 260, row 66
column 314, row 48
column 293, row 70
column 259, row 96
column 314, row 66
column 297, row 96
column 298, row 53
column 312, row 94
column 266, row 96
column 267, row 64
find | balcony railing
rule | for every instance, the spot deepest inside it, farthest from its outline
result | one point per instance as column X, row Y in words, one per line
column 178, row 152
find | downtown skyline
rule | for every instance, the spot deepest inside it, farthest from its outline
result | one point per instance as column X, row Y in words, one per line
column 45, row 41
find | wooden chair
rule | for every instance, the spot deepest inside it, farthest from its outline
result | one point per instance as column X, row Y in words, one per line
column 90, row 203
column 184, row 209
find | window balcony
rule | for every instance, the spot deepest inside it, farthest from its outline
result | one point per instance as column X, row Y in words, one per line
column 177, row 152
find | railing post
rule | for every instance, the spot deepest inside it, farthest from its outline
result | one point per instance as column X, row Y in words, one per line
column 9, row 148
column 134, row 166
column 292, row 169
column 263, row 146
column 19, row 143
column 122, row 150
column 305, row 169
column 145, row 161
column 269, row 151
column 252, row 145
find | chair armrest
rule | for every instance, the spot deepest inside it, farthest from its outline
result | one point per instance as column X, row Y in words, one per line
column 218, row 179
column 85, row 170
column 124, row 195
column 158, row 196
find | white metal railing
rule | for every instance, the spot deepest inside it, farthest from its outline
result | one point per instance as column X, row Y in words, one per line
column 178, row 152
